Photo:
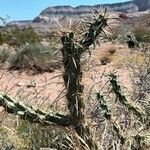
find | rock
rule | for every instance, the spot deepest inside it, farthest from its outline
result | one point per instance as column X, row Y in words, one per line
column 32, row 83
column 1, row 109
column 20, row 84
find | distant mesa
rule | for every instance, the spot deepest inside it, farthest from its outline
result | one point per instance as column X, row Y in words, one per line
column 47, row 18
column 142, row 4
column 18, row 23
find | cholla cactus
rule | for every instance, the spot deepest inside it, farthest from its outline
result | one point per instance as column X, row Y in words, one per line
column 72, row 49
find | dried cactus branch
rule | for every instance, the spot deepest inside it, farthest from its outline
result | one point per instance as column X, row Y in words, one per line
column 33, row 115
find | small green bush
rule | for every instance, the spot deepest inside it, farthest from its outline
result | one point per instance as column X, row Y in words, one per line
column 36, row 57
column 4, row 55
column 3, row 35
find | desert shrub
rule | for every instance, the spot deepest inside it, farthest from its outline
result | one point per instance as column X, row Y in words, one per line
column 4, row 54
column 142, row 34
column 3, row 35
column 18, row 37
column 36, row 57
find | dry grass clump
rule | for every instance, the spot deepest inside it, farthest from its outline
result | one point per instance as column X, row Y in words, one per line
column 30, row 136
column 139, row 65
column 9, row 139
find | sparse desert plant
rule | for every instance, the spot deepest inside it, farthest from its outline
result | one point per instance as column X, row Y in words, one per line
column 36, row 57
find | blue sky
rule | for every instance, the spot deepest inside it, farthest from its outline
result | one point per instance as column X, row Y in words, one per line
column 28, row 9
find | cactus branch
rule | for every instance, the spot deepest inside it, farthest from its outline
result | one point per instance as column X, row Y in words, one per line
column 33, row 115
column 93, row 32
column 116, row 88
column 108, row 117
